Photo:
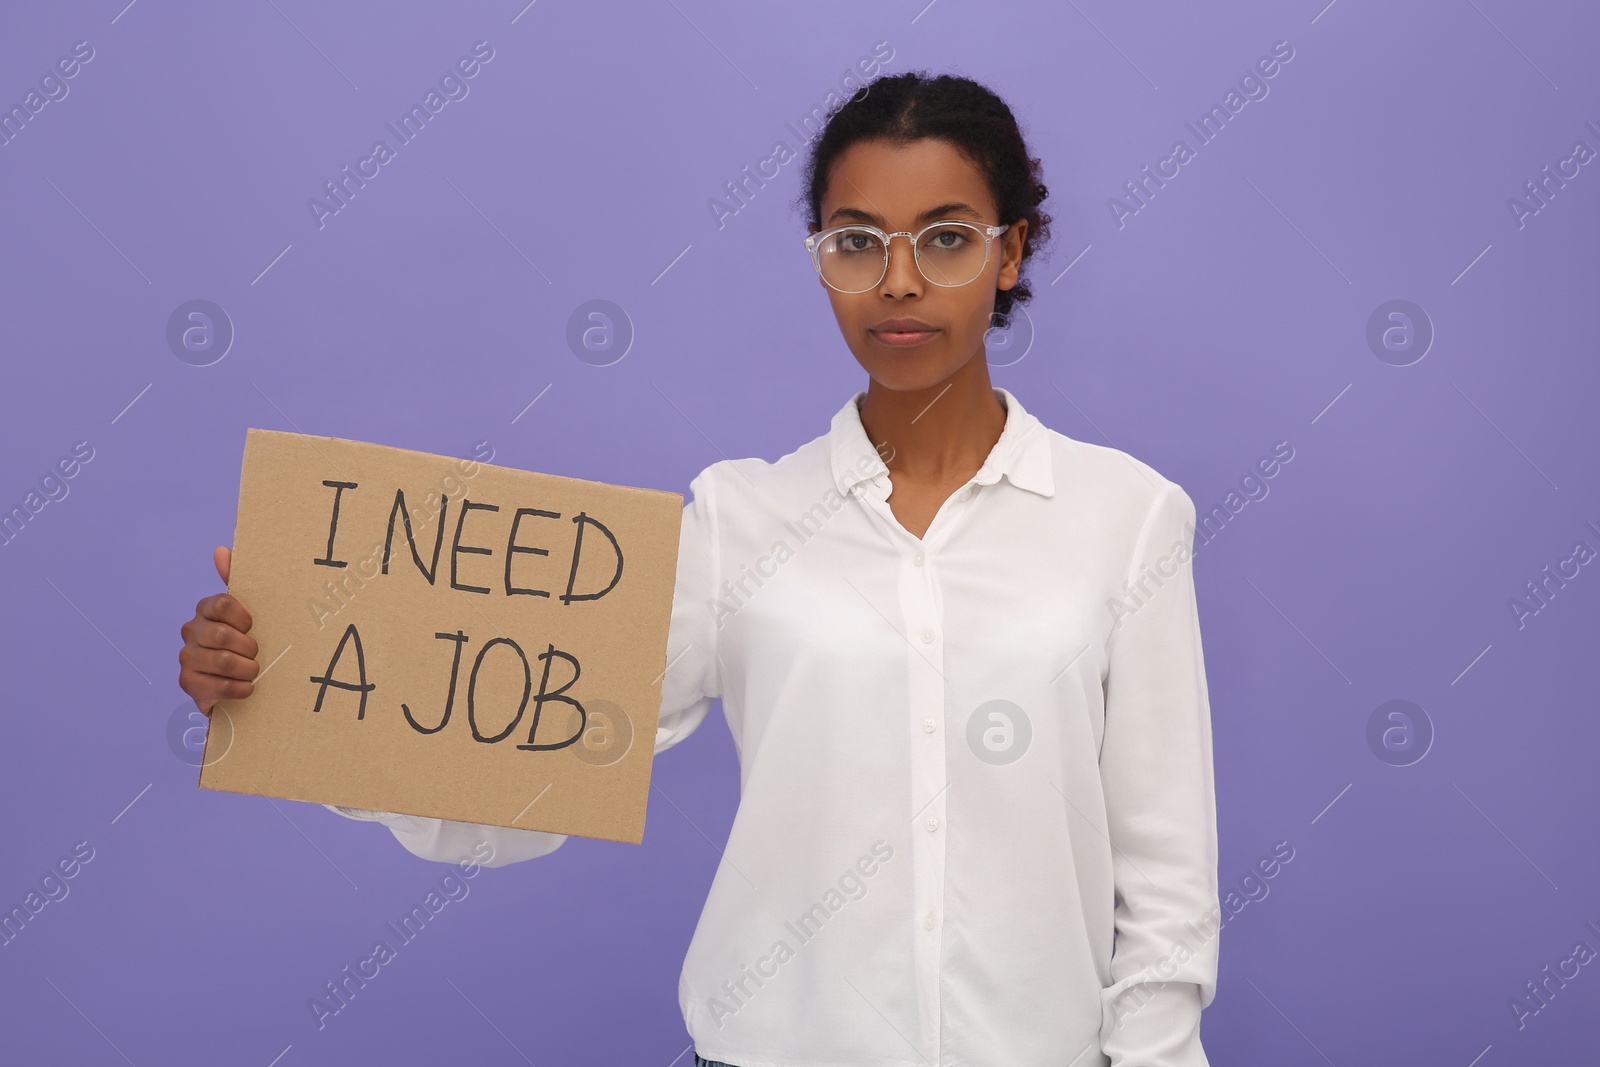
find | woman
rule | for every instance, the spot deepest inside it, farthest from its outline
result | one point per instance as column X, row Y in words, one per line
column 960, row 657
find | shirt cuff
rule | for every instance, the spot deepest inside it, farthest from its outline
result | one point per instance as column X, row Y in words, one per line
column 364, row 814
column 1154, row 1024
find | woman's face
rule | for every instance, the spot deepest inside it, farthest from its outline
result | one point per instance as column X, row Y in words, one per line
column 903, row 188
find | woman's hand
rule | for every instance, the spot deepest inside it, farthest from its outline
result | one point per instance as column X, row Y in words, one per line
column 218, row 658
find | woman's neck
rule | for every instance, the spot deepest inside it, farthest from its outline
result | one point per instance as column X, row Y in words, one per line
column 939, row 434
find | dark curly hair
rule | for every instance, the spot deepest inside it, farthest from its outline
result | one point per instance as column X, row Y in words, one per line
column 902, row 108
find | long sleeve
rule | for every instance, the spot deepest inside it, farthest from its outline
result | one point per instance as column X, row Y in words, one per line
column 447, row 841
column 1156, row 772
column 692, row 680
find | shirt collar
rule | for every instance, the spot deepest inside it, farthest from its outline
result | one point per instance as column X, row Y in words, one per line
column 1022, row 453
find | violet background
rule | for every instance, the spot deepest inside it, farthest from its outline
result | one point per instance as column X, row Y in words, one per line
column 1229, row 314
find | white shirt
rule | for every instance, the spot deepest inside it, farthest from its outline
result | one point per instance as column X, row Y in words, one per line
column 966, row 761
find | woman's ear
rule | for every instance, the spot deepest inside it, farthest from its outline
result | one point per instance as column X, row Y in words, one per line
column 1011, row 254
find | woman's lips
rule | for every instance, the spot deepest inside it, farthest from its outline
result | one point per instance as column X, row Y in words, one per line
column 903, row 338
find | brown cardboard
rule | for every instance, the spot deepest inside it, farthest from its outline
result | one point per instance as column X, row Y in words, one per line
column 593, row 777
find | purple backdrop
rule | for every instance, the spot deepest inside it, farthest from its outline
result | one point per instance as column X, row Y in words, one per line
column 1443, row 459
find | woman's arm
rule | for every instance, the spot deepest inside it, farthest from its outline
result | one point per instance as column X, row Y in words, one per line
column 1155, row 767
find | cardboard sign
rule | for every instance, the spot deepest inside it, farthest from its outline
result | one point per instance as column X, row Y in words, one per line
column 445, row 638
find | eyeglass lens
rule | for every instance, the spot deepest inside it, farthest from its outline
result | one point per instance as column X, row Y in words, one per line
column 949, row 254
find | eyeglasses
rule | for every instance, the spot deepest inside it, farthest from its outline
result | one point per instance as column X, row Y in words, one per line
column 855, row 258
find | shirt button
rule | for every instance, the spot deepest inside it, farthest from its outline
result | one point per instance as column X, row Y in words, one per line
column 927, row 921
column 933, row 823
column 927, row 636
column 928, row 725
column 966, row 494
column 917, row 559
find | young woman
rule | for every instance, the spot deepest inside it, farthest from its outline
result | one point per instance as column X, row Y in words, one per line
column 959, row 654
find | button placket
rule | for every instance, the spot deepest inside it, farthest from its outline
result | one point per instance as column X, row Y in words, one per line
column 920, row 605
column 926, row 697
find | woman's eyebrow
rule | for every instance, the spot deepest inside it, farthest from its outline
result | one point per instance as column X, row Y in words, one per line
column 954, row 207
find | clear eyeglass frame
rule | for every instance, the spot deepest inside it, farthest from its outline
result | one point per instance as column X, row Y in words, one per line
column 989, row 232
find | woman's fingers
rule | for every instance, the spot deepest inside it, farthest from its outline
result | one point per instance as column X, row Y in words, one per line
column 206, row 633
column 224, row 608
column 220, row 663
column 218, row 658
column 209, row 675
column 207, row 689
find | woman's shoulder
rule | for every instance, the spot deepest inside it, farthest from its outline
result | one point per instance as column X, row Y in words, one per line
column 1104, row 476
column 800, row 474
